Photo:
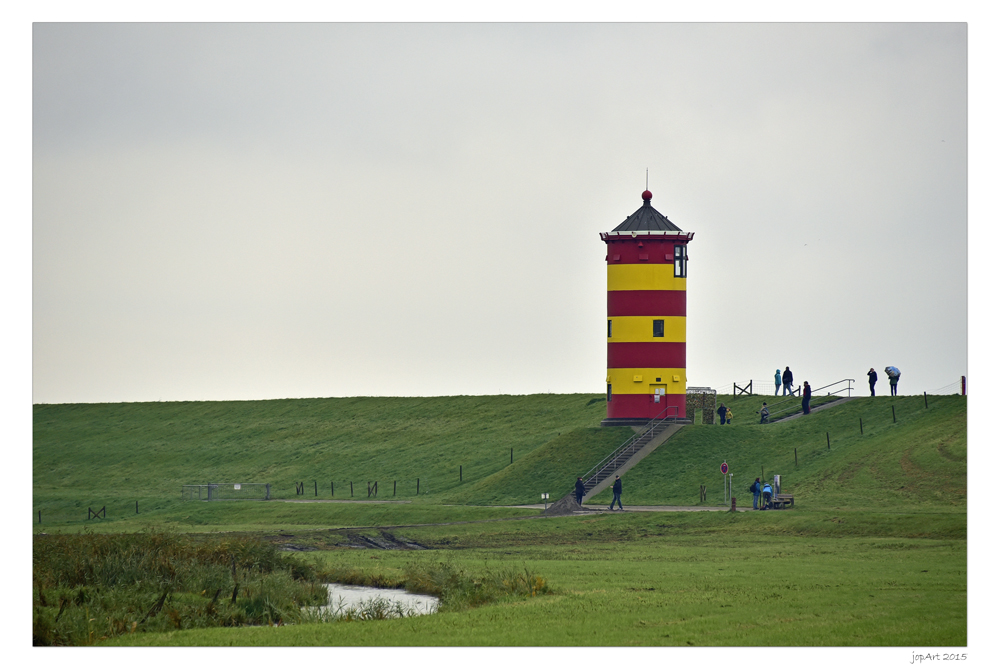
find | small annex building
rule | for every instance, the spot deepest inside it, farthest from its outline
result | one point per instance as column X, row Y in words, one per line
column 647, row 264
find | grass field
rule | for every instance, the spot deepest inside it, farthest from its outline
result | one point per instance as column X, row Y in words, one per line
column 874, row 552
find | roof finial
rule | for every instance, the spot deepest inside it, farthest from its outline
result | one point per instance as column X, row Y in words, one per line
column 647, row 178
column 646, row 195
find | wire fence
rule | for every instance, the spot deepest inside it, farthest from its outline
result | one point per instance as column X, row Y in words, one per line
column 227, row 491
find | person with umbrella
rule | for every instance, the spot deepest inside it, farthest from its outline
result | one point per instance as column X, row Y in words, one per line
column 893, row 374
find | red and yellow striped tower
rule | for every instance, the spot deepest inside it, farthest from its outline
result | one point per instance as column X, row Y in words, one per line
column 647, row 317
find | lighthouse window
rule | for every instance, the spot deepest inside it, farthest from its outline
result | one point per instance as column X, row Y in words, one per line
column 609, row 392
column 680, row 261
column 609, row 329
column 657, row 328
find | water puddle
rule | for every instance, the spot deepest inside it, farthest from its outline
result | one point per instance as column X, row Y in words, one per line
column 373, row 603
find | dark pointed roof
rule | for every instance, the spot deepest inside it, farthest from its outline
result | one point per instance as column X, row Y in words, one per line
column 646, row 218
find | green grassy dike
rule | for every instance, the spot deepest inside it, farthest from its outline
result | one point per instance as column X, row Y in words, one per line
column 873, row 554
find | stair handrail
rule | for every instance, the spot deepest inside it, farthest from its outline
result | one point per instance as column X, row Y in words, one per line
column 788, row 410
column 648, row 427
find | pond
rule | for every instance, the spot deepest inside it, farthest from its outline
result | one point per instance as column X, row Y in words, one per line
column 374, row 603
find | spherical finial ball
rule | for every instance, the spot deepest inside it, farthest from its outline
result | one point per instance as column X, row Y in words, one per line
column 646, row 195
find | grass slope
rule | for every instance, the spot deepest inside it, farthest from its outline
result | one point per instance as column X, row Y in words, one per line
column 112, row 455
column 918, row 462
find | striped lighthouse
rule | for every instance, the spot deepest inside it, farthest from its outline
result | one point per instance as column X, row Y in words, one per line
column 647, row 317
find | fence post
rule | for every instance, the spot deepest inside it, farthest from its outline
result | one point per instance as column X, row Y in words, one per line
column 39, row 517
column 315, row 488
column 352, row 488
column 394, row 488
column 460, row 473
column 418, row 486
column 512, row 449
column 827, row 440
column 796, row 456
column 331, row 489
column 751, row 394
column 963, row 389
column 267, row 491
column 136, row 507
column 893, row 414
column 862, row 424
column 963, row 392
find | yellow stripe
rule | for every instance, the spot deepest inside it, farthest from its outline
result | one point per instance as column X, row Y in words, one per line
column 644, row 277
column 639, row 328
column 623, row 381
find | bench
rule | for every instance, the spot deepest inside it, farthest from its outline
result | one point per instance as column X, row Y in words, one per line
column 783, row 500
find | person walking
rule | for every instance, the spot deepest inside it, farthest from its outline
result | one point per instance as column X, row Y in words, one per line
column 755, row 488
column 872, row 379
column 729, row 416
column 777, row 381
column 786, row 383
column 893, row 374
column 764, row 414
column 579, row 491
column 806, row 396
column 722, row 414
column 616, row 489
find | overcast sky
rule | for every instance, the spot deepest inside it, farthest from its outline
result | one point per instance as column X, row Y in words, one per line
column 253, row 211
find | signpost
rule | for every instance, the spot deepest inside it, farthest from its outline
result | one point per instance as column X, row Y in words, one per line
column 545, row 500
column 725, row 469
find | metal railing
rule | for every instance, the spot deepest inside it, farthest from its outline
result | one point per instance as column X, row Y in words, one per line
column 783, row 409
column 663, row 417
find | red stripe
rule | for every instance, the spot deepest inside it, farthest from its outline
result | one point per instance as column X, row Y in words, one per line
column 645, row 355
column 657, row 251
column 647, row 302
column 642, row 405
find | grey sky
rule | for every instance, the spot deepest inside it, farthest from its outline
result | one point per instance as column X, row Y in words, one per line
column 289, row 210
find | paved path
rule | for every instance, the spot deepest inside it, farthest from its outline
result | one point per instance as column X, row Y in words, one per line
column 335, row 501
column 638, row 509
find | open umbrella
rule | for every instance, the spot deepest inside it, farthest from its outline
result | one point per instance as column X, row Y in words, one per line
column 892, row 371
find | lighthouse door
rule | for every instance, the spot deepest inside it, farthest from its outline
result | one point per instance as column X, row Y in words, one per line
column 658, row 395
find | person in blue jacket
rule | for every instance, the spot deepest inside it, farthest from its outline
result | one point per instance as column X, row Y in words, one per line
column 755, row 488
column 777, row 381
column 766, row 501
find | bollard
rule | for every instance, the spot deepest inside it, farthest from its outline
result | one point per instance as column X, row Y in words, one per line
column 732, row 508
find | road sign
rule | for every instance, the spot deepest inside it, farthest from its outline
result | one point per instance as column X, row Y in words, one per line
column 724, row 468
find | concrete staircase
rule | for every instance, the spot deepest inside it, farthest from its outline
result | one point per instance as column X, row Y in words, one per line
column 627, row 455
